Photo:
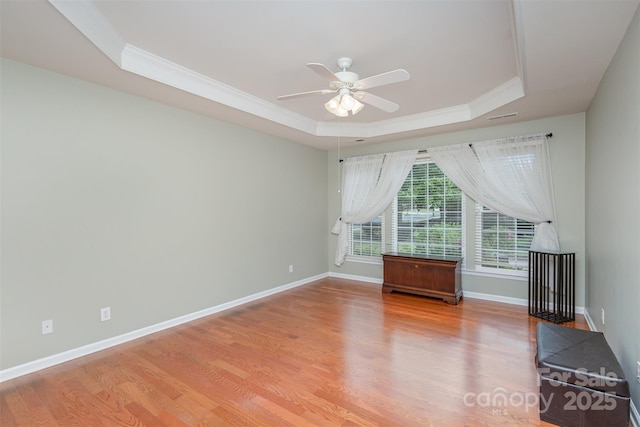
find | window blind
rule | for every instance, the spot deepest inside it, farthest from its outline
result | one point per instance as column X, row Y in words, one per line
column 502, row 242
column 428, row 214
column 367, row 239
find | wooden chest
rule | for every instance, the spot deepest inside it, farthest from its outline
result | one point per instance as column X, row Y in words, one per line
column 431, row 276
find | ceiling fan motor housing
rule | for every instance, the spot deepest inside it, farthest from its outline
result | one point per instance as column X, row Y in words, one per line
column 347, row 76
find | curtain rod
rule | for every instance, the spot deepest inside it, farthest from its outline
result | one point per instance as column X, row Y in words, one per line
column 549, row 135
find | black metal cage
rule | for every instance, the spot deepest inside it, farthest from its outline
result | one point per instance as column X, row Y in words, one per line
column 552, row 286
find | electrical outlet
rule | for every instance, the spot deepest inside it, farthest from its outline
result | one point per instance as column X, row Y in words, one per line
column 638, row 373
column 105, row 314
column 291, row 268
column 47, row 327
column 602, row 315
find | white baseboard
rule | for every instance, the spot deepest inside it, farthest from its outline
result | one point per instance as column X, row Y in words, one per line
column 495, row 298
column 590, row 322
column 465, row 294
column 75, row 353
column 49, row 361
column 365, row 279
column 635, row 415
column 506, row 300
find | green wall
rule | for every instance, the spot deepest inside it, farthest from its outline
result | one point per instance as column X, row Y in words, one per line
column 613, row 205
column 112, row 200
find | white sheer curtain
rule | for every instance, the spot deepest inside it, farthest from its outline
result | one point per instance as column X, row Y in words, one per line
column 511, row 176
column 369, row 185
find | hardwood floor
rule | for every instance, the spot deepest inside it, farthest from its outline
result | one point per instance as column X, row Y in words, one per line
column 331, row 353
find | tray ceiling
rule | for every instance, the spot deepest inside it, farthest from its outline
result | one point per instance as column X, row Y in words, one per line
column 468, row 60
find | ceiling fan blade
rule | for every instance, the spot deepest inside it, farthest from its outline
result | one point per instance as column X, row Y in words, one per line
column 389, row 77
column 301, row 94
column 323, row 72
column 376, row 101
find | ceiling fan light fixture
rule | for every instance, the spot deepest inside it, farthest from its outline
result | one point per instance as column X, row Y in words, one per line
column 356, row 107
column 343, row 103
column 333, row 104
column 341, row 112
column 347, row 102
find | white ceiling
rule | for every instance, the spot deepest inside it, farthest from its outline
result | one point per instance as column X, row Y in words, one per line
column 468, row 60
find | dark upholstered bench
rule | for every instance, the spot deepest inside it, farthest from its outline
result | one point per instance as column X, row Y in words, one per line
column 581, row 381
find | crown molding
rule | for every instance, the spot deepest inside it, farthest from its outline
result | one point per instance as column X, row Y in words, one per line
column 86, row 17
column 518, row 41
column 502, row 95
column 497, row 97
column 154, row 67
column 427, row 119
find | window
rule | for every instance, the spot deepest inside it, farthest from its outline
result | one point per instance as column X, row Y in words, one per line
column 429, row 214
column 367, row 239
column 502, row 242
column 427, row 217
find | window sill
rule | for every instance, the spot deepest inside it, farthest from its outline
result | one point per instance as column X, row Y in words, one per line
column 497, row 275
column 522, row 276
column 376, row 260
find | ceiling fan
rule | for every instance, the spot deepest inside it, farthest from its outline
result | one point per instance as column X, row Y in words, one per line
column 348, row 88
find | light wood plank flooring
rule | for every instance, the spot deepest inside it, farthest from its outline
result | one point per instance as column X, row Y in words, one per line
column 330, row 353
